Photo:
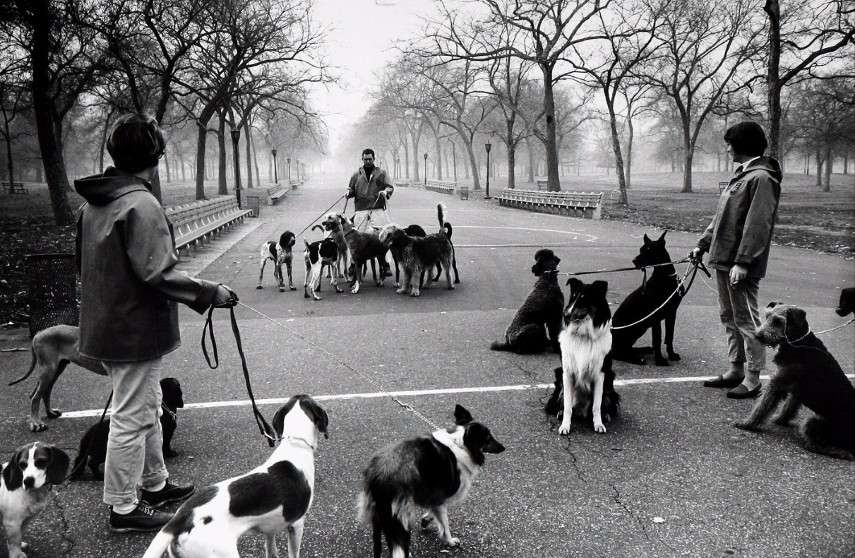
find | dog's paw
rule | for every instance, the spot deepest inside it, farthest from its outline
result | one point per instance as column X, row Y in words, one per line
column 747, row 426
column 415, row 293
column 259, row 287
column 281, row 289
column 354, row 290
column 293, row 288
column 37, row 426
column 427, row 521
column 53, row 413
column 452, row 541
column 673, row 356
column 564, row 429
column 599, row 427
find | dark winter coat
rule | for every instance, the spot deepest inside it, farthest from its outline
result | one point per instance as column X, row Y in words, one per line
column 126, row 257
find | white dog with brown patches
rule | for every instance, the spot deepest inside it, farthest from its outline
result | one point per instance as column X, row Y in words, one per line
column 25, row 487
column 273, row 497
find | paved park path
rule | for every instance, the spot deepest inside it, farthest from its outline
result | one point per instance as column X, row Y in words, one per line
column 671, row 477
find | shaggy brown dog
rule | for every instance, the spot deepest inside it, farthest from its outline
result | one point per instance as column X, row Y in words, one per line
column 541, row 312
column 422, row 254
column 362, row 248
column 807, row 375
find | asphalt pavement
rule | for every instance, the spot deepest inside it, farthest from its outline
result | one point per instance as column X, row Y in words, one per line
column 671, row 477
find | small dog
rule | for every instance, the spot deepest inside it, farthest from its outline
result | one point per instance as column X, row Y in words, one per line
column 419, row 255
column 274, row 496
column 279, row 253
column 93, row 444
column 644, row 300
column 52, row 349
column 544, row 306
column 25, row 487
column 431, row 473
column 846, row 305
column 362, row 247
column 317, row 255
column 807, row 375
column 585, row 343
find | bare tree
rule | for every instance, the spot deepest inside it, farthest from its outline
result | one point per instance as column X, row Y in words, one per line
column 12, row 102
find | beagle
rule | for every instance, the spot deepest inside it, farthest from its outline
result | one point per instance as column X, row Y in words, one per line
column 274, row 496
column 24, row 488
column 279, row 253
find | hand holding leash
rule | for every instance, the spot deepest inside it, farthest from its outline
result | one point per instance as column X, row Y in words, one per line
column 224, row 297
column 696, row 256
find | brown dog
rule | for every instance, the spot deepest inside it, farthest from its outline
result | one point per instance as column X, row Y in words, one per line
column 52, row 349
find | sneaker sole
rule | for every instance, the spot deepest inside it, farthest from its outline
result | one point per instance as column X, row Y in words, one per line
column 135, row 529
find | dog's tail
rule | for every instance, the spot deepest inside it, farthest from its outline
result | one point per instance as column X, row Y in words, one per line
column 30, row 371
column 441, row 214
column 159, row 545
column 387, row 517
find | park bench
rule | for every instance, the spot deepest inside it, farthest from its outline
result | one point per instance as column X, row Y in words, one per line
column 295, row 182
column 196, row 221
column 578, row 204
column 276, row 193
column 542, row 184
column 441, row 186
column 270, row 194
column 14, row 187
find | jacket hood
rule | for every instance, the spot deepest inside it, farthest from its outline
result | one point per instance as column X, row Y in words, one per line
column 101, row 189
column 766, row 163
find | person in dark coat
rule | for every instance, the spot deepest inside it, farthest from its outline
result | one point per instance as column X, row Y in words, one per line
column 129, row 317
column 738, row 241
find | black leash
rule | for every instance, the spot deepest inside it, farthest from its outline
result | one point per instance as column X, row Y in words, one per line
column 643, row 268
column 263, row 426
column 322, row 214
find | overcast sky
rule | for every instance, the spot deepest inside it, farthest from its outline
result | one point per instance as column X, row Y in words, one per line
column 361, row 35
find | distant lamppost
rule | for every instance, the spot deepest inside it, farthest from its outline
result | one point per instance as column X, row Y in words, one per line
column 235, row 140
column 275, row 169
column 488, row 146
column 289, row 169
column 425, row 168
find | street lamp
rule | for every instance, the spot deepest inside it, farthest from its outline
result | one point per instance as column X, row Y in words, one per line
column 275, row 169
column 235, row 140
column 425, row 168
column 488, row 146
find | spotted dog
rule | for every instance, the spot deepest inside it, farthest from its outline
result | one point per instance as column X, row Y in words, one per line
column 275, row 496
column 25, row 487
column 317, row 255
column 807, row 375
column 279, row 253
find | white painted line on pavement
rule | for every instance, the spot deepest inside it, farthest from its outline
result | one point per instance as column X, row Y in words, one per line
column 410, row 393
column 591, row 237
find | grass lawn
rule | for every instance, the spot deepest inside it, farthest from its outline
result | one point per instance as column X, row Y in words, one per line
column 807, row 218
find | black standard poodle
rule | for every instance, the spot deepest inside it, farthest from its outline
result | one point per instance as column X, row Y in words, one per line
column 541, row 311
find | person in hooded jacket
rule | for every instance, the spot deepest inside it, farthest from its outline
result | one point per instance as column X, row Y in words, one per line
column 738, row 241
column 126, row 258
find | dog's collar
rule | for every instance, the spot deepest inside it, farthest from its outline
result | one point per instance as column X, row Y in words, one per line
column 791, row 341
column 297, row 439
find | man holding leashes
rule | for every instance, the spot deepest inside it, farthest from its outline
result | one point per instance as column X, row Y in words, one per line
column 738, row 241
column 370, row 187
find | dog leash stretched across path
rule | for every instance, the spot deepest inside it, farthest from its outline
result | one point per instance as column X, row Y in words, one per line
column 313, row 221
column 338, row 359
column 667, row 300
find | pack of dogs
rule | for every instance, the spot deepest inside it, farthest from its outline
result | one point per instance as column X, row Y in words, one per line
column 414, row 481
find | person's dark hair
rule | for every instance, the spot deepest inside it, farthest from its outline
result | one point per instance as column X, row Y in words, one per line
column 368, row 151
column 746, row 138
column 136, row 143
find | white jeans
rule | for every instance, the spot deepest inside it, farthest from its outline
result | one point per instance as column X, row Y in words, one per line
column 135, row 445
column 363, row 219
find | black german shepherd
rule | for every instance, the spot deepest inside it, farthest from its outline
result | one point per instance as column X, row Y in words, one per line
column 644, row 300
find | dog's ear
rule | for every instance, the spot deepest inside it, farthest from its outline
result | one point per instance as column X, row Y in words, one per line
column 769, row 308
column 462, row 417
column 662, row 236
column 316, row 413
column 537, row 268
column 600, row 287
column 575, row 285
column 57, row 465
column 797, row 325
column 646, row 239
column 13, row 476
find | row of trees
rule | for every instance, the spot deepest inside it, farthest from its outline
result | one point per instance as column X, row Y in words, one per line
column 199, row 67
column 546, row 69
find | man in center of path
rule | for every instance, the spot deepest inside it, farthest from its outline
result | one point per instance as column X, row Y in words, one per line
column 371, row 188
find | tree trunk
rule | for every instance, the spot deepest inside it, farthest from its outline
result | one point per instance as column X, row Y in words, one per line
column 829, row 163
column 168, row 168
column 845, row 162
column 236, row 165
column 182, row 165
column 476, row 184
column 201, row 141
column 45, row 113
column 629, row 141
column 406, row 160
column 773, row 84
column 222, row 182
column 438, row 161
column 617, row 151
column 247, row 140
column 688, row 153
column 9, row 161
column 554, row 184
column 454, row 159
column 415, row 141
column 512, row 158
column 818, row 168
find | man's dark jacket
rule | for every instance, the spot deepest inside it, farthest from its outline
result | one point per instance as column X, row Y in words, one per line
column 366, row 190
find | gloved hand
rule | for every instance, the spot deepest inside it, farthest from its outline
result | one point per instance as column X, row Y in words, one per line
column 388, row 192
column 348, row 193
column 696, row 256
column 224, row 297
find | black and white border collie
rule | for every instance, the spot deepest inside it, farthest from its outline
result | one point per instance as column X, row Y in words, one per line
column 274, row 496
column 279, row 253
column 317, row 255
column 585, row 344
column 429, row 473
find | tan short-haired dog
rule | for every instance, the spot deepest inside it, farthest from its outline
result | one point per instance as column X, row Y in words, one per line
column 807, row 375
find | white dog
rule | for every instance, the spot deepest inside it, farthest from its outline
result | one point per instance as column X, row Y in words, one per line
column 274, row 496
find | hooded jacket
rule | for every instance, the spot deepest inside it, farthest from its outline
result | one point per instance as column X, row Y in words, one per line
column 126, row 258
column 367, row 189
column 741, row 231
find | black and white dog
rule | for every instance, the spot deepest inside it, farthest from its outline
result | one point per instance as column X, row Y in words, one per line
column 585, row 344
column 274, row 496
column 429, row 472
column 318, row 255
column 25, row 487
column 280, row 253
